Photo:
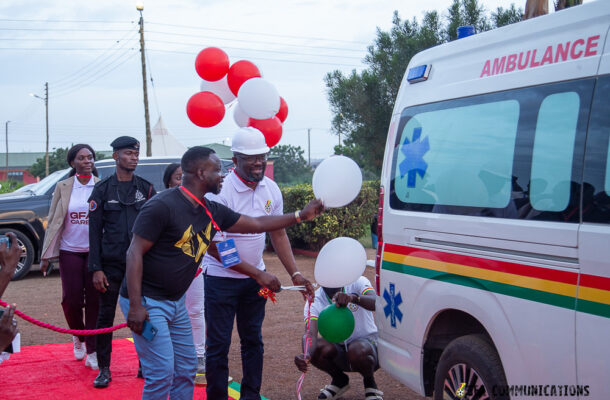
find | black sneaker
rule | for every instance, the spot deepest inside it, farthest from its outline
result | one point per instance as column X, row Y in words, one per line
column 103, row 378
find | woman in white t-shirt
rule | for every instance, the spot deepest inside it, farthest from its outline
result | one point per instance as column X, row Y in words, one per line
column 67, row 239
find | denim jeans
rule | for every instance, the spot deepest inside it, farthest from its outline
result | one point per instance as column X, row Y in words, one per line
column 227, row 299
column 169, row 362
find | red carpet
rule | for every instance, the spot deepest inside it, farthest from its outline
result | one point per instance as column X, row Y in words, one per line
column 50, row 372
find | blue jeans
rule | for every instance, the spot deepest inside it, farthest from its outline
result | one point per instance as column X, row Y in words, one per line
column 227, row 299
column 374, row 240
column 169, row 361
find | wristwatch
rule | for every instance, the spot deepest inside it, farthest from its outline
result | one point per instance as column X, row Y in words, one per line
column 357, row 298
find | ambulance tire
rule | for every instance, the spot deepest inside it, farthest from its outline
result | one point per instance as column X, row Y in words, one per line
column 468, row 357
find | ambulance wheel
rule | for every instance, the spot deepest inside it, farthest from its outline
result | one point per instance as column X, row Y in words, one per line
column 473, row 361
column 27, row 253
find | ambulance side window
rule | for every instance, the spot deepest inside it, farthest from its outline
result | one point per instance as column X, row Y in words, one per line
column 554, row 140
column 596, row 186
column 514, row 154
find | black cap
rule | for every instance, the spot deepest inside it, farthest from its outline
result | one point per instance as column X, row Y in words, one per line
column 125, row 142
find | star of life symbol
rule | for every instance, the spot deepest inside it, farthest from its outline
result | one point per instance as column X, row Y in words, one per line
column 393, row 301
column 414, row 152
column 139, row 196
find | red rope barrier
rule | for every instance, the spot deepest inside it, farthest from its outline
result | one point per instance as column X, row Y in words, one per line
column 75, row 332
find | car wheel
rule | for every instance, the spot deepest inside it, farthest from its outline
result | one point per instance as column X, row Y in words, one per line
column 470, row 368
column 27, row 253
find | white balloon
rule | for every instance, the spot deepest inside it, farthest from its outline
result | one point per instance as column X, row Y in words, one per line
column 337, row 181
column 220, row 88
column 258, row 98
column 239, row 116
column 340, row 262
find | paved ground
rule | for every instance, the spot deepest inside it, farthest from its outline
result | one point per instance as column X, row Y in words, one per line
column 40, row 297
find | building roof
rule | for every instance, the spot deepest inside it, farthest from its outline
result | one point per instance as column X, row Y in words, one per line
column 222, row 151
column 26, row 160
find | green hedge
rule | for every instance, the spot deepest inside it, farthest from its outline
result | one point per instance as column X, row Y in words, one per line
column 9, row 186
column 353, row 221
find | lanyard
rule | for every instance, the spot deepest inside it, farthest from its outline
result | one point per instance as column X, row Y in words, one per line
column 242, row 179
column 191, row 195
column 83, row 176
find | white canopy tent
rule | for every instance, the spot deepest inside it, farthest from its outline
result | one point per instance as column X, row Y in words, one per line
column 164, row 143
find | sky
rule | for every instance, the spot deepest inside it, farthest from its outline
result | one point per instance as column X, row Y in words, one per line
column 89, row 54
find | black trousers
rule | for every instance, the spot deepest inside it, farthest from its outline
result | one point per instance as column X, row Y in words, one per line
column 105, row 319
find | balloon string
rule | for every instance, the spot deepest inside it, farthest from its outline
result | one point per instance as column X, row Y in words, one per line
column 76, row 332
column 307, row 343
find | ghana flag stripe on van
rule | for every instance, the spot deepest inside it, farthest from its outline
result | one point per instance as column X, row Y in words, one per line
column 544, row 285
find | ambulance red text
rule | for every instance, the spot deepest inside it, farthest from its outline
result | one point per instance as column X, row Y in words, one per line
column 571, row 50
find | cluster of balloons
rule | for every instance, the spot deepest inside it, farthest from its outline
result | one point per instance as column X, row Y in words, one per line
column 337, row 181
column 258, row 103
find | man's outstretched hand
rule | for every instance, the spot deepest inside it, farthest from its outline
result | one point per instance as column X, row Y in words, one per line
column 312, row 210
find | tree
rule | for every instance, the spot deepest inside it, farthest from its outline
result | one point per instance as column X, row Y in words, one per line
column 57, row 161
column 289, row 166
column 362, row 102
column 502, row 17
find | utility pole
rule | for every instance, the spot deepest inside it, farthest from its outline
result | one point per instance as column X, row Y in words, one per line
column 140, row 8
column 6, row 132
column 46, row 105
column 309, row 146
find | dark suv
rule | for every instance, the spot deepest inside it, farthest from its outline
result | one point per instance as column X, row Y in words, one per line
column 24, row 211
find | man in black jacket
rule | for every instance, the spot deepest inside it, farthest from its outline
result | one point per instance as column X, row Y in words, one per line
column 113, row 207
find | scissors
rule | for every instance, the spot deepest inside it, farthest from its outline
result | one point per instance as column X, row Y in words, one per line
column 301, row 287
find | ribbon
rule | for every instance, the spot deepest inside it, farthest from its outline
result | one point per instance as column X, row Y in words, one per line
column 268, row 294
column 306, row 349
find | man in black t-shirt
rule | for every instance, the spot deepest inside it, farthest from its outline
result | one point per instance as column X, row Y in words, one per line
column 170, row 235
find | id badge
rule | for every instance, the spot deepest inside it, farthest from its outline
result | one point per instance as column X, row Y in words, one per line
column 228, row 253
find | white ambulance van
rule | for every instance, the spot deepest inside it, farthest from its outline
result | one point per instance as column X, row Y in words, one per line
column 493, row 270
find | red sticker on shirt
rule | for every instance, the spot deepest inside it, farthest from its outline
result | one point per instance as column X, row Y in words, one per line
column 92, row 205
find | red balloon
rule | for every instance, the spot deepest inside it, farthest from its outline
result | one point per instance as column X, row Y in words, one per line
column 240, row 72
column 271, row 128
column 212, row 64
column 283, row 112
column 205, row 109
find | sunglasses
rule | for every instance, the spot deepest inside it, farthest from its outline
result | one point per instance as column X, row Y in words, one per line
column 254, row 158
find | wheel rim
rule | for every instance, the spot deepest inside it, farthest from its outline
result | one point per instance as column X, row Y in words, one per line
column 22, row 258
column 474, row 388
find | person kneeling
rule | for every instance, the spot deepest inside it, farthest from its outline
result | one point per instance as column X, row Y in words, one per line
column 359, row 351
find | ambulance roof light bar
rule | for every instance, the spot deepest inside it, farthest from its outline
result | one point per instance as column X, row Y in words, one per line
column 419, row 73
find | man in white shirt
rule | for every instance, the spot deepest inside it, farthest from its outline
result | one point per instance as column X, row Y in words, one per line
column 231, row 293
column 359, row 351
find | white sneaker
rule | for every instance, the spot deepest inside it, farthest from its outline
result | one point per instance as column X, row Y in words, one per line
column 91, row 361
column 79, row 348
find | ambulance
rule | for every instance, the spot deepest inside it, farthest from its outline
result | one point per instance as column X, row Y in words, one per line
column 493, row 264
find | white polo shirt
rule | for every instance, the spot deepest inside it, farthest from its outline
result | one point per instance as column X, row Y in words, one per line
column 265, row 199
column 363, row 318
